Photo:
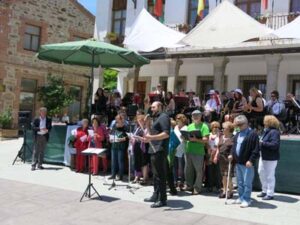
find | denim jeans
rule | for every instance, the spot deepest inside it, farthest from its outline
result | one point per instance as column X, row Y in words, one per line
column 117, row 161
column 244, row 179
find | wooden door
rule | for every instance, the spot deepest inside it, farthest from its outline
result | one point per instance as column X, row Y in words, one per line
column 141, row 89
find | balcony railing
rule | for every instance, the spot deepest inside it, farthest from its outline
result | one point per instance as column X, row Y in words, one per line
column 278, row 20
column 272, row 21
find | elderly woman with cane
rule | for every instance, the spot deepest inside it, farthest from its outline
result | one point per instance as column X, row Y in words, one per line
column 223, row 151
column 269, row 156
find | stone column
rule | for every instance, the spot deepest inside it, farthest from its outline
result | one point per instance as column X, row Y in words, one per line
column 173, row 72
column 219, row 64
column 273, row 63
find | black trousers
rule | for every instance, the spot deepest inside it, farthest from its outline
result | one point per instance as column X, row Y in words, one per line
column 159, row 170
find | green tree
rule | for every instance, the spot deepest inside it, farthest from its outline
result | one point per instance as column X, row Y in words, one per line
column 110, row 77
column 54, row 95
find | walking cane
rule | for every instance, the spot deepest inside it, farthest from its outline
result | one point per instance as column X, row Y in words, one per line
column 227, row 185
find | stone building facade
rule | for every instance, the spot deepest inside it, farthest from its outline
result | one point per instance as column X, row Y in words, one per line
column 25, row 25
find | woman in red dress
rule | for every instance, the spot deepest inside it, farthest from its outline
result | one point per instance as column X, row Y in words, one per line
column 96, row 142
column 81, row 143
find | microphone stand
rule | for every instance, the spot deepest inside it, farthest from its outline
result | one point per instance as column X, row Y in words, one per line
column 113, row 185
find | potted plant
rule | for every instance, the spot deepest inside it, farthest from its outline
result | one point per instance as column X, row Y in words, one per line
column 6, row 125
column 111, row 36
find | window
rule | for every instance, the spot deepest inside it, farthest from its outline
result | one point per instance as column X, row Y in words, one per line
column 164, row 83
column 295, row 6
column 180, row 84
column 205, row 84
column 32, row 38
column 294, row 85
column 27, row 95
column 119, row 17
column 247, row 82
column 75, row 108
column 192, row 12
column 251, row 7
column 296, row 88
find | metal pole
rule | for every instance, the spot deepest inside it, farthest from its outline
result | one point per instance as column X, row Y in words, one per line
column 272, row 7
column 91, row 86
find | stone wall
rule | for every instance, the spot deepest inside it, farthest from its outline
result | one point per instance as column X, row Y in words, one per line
column 60, row 21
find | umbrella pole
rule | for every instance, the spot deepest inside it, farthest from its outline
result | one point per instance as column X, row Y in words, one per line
column 91, row 87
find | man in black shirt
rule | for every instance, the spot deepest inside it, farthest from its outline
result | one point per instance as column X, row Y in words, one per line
column 159, row 141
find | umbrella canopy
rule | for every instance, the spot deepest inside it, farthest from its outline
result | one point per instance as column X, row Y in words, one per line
column 91, row 53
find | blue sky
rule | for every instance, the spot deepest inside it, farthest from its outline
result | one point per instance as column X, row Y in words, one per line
column 89, row 4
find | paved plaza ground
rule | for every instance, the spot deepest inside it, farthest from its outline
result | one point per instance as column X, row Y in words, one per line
column 51, row 196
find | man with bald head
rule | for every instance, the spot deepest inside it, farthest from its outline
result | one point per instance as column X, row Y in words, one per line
column 159, row 142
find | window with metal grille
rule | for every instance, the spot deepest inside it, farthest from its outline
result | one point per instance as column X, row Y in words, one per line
column 251, row 7
column 257, row 81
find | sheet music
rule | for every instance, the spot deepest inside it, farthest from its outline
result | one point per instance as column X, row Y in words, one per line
column 96, row 151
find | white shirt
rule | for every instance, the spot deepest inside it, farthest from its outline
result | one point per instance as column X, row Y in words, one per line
column 42, row 123
column 211, row 105
column 275, row 107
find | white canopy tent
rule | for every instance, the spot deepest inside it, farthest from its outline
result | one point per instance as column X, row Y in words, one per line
column 148, row 34
column 226, row 25
column 290, row 30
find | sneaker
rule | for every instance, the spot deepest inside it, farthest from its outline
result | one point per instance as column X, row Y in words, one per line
column 41, row 167
column 268, row 197
column 261, row 195
column 33, row 168
column 236, row 201
column 245, row 204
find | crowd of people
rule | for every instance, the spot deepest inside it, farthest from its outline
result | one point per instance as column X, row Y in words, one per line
column 193, row 148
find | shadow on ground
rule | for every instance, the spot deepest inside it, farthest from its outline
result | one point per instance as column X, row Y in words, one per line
column 175, row 205
column 262, row 205
column 104, row 198
column 287, row 199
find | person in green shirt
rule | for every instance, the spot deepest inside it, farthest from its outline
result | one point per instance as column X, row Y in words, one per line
column 195, row 152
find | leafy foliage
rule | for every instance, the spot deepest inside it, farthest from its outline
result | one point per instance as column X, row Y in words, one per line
column 110, row 79
column 6, row 119
column 54, row 95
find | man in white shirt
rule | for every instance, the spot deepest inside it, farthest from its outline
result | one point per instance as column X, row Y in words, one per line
column 275, row 107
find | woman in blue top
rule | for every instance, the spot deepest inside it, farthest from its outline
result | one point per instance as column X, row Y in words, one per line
column 269, row 156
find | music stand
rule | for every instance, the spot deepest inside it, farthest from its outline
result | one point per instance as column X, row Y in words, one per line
column 296, row 128
column 89, row 152
column 22, row 152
